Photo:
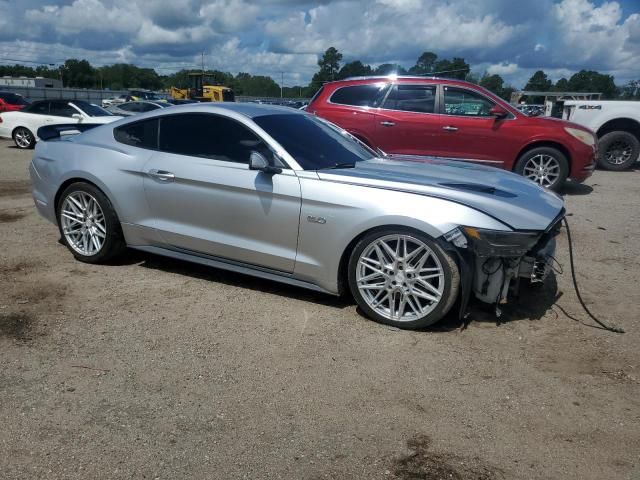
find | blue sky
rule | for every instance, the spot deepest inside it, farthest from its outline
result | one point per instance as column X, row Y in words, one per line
column 510, row 37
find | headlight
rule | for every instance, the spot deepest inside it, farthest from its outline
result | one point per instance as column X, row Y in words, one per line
column 493, row 243
column 584, row 137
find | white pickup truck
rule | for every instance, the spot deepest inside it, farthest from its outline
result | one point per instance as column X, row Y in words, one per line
column 617, row 125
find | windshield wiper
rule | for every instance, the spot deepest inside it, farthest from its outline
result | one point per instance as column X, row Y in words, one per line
column 340, row 165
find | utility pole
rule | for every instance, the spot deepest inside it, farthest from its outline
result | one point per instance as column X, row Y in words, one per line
column 202, row 64
column 281, row 83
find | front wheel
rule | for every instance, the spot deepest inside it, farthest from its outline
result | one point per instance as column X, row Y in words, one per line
column 23, row 138
column 88, row 224
column 618, row 150
column 402, row 278
column 546, row 166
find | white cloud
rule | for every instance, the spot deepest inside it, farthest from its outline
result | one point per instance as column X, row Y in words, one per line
column 502, row 69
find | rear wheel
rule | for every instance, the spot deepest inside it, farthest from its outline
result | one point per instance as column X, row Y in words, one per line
column 618, row 150
column 88, row 224
column 402, row 278
column 546, row 166
column 23, row 138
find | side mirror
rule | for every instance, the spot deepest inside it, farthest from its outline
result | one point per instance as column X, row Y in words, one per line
column 77, row 116
column 258, row 162
column 498, row 112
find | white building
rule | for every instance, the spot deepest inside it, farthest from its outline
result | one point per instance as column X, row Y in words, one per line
column 37, row 82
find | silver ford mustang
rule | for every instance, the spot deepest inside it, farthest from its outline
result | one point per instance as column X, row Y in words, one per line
column 280, row 194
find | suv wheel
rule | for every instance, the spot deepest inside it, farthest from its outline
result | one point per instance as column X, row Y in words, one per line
column 618, row 150
column 546, row 166
column 402, row 278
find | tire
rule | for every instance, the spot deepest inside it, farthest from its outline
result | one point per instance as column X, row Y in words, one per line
column 618, row 150
column 396, row 296
column 23, row 138
column 82, row 222
column 553, row 174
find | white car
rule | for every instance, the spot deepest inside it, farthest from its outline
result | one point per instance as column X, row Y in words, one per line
column 22, row 126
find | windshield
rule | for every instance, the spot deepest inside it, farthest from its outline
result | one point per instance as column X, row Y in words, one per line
column 312, row 143
column 13, row 99
column 91, row 109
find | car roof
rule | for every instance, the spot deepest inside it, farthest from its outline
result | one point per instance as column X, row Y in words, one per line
column 401, row 78
column 250, row 110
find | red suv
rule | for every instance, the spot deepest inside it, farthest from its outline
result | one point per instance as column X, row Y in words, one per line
column 10, row 102
column 455, row 119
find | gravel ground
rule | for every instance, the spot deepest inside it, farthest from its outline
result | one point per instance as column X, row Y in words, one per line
column 154, row 368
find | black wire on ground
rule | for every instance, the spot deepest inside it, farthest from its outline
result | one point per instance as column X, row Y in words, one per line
column 611, row 328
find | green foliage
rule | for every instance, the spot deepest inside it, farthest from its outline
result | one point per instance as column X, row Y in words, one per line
column 389, row 68
column 425, row 64
column 539, row 82
column 354, row 69
column 590, row 81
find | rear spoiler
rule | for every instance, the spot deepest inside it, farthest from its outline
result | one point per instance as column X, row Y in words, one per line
column 49, row 132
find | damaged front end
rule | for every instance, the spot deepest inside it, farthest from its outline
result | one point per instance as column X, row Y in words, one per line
column 493, row 262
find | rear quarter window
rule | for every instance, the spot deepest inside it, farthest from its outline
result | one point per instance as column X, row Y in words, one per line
column 358, row 95
column 143, row 134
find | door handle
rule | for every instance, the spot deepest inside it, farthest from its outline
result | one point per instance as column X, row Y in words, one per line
column 161, row 175
column 388, row 124
column 449, row 128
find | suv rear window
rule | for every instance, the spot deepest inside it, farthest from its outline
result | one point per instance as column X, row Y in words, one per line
column 412, row 98
column 358, row 95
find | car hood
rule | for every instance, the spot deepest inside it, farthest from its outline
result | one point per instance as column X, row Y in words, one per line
column 510, row 198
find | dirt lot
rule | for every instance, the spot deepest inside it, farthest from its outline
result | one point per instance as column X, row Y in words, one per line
column 159, row 369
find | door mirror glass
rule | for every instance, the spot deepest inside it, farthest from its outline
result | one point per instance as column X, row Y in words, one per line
column 498, row 112
column 257, row 161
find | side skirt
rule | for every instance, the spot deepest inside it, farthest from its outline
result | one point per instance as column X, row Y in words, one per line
column 233, row 266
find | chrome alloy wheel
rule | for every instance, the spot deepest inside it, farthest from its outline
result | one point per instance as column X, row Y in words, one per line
column 618, row 153
column 542, row 169
column 400, row 278
column 23, row 138
column 83, row 223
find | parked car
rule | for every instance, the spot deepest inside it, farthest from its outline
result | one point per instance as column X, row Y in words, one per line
column 10, row 102
column 23, row 125
column 283, row 195
column 133, row 108
column 454, row 119
column 617, row 126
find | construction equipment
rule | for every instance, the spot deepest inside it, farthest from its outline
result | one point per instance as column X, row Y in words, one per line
column 203, row 89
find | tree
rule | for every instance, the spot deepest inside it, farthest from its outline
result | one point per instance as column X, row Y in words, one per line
column 631, row 90
column 354, row 69
column 389, row 68
column 424, row 64
column 561, row 85
column 493, row 83
column 329, row 65
column 78, row 73
column 539, row 82
column 590, row 81
column 454, row 68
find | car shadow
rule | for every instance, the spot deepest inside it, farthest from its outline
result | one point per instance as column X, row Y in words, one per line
column 234, row 279
column 571, row 188
column 531, row 303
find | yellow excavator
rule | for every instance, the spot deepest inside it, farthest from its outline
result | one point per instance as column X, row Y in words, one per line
column 203, row 90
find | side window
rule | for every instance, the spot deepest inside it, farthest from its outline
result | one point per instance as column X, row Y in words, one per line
column 142, row 134
column 41, row 108
column 128, row 107
column 458, row 101
column 412, row 98
column 62, row 109
column 209, row 136
column 359, row 95
column 146, row 107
